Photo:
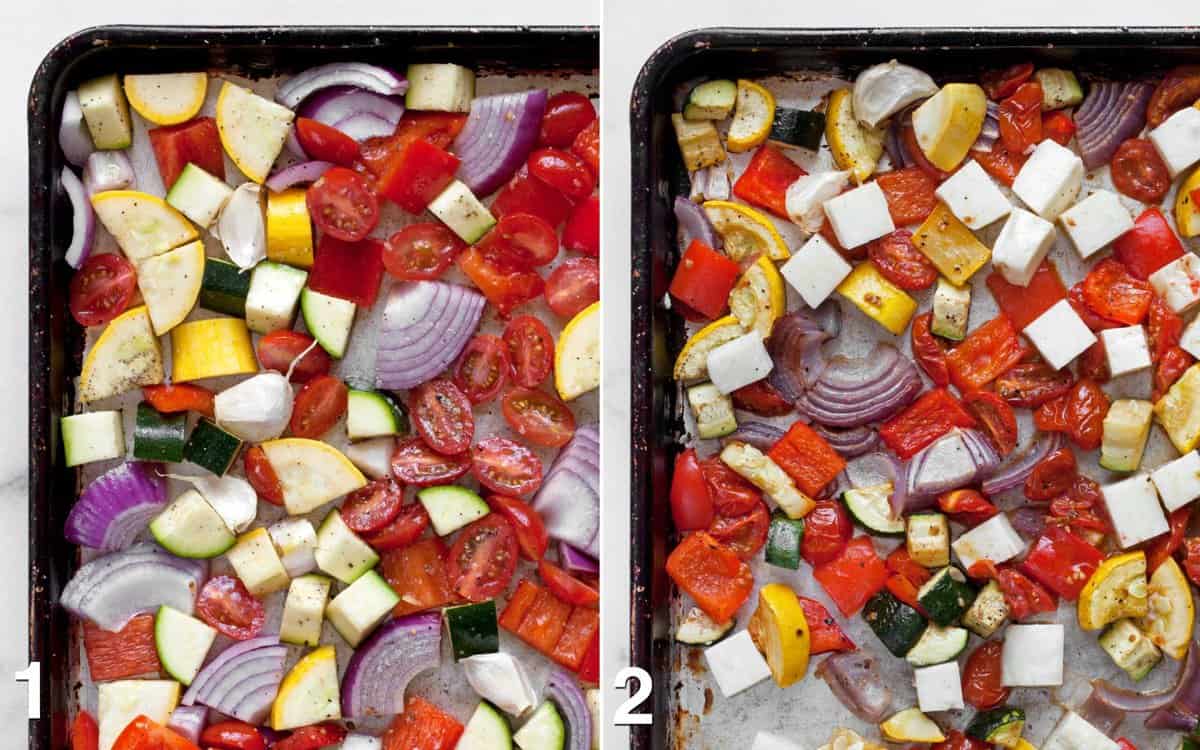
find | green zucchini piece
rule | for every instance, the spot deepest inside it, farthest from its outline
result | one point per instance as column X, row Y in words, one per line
column 1060, row 88
column 1130, row 649
column 371, row 413
column 988, row 612
column 224, row 288
column 1000, row 726
column 473, row 629
column 158, row 437
column 783, row 540
column 711, row 100
column 698, row 629
column 946, row 596
column 928, row 539
column 713, row 411
column 798, row 127
column 938, row 645
column 871, row 507
column 897, row 625
column 211, row 447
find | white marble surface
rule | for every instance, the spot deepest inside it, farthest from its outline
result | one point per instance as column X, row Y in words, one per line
column 27, row 31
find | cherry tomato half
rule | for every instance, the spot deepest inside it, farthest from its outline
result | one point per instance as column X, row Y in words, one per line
column 582, row 232
column 745, row 534
column 261, row 475
column 441, row 415
column 101, row 289
column 343, row 204
column 319, row 405
column 691, row 501
column 278, row 349
column 323, row 142
column 567, row 114
column 929, row 351
column 731, row 494
column 567, row 587
column 522, row 241
column 827, row 529
column 228, row 606
column 506, row 467
column 539, row 417
column 232, row 735
column 482, row 369
column 1031, row 384
column 1052, row 476
column 406, row 528
column 572, row 286
column 900, row 262
column 417, row 464
column 981, row 680
column 996, row 417
column 312, row 737
column 587, row 146
column 368, row 509
column 532, row 349
column 483, row 558
column 422, row 251
column 531, row 533
column 563, row 171
column 1138, row 171
column 1000, row 84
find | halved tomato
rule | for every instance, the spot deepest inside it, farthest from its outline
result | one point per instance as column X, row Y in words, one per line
column 227, row 605
column 482, row 369
column 526, row 522
column 506, row 467
column 482, row 559
column 539, row 417
column 417, row 464
column 532, row 349
column 441, row 414
column 566, row 586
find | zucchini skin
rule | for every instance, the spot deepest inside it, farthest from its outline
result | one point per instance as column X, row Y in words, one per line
column 897, row 625
column 997, row 725
column 211, row 447
column 798, row 127
column 224, row 288
column 473, row 629
column 945, row 597
column 783, row 541
column 158, row 437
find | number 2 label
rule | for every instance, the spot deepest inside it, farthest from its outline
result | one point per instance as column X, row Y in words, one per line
column 624, row 715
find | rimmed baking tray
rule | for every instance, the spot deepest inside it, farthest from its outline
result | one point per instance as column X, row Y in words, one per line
column 56, row 342
column 658, row 428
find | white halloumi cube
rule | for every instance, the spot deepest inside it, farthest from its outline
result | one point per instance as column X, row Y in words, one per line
column 805, row 198
column 1021, row 246
column 771, row 741
column 739, row 362
column 1073, row 732
column 1126, row 349
column 1178, row 481
column 1096, row 221
column 815, row 270
column 1190, row 340
column 1050, row 179
column 736, row 664
column 859, row 215
column 1134, row 510
column 1178, row 282
column 1060, row 335
column 973, row 197
column 995, row 539
column 1177, row 140
column 1032, row 656
column 939, row 688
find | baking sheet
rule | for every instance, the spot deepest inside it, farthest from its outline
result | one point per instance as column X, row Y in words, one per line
column 807, row 712
column 445, row 686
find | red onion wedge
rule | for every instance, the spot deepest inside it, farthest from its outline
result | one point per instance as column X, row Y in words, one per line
column 957, row 459
column 83, row 220
column 108, row 170
column 1186, row 687
column 795, row 348
column 1100, row 714
column 990, row 132
column 759, row 434
column 855, row 680
column 188, row 722
column 1013, row 472
column 381, row 668
column 569, row 498
column 425, row 326
column 359, row 75
column 111, row 589
column 336, row 103
column 242, row 680
column 73, row 136
column 1028, row 521
column 694, row 224
column 852, row 442
column 854, row 392
column 497, row 138
column 365, row 125
column 116, row 507
column 563, row 689
column 576, row 561
column 1110, row 114
column 297, row 174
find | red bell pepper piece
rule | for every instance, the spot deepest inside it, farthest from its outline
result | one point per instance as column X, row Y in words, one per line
column 1113, row 292
column 909, row 193
column 1062, row 562
column 85, row 732
column 582, row 232
column 969, row 507
column 807, row 458
column 1058, row 127
column 1149, row 246
column 589, row 669
column 128, row 652
column 704, row 279
column 418, row 574
column 422, row 726
column 824, row 633
column 904, row 590
column 766, row 180
column 1023, row 304
column 1165, row 546
column 710, row 573
column 854, row 576
column 417, row 175
column 985, row 354
column 526, row 194
column 348, row 270
column 518, row 604
column 583, row 625
column 195, row 141
column 934, row 414
column 899, row 561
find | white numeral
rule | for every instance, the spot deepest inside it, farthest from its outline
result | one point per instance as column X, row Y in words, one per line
column 32, row 676
column 624, row 715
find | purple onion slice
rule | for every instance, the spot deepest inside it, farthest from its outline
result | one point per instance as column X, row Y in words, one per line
column 497, row 138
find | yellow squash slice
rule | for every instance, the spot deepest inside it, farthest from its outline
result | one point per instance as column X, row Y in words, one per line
column 947, row 123
column 252, row 129
column 780, row 631
column 311, row 473
column 170, row 284
column 211, row 348
column 879, row 299
column 951, row 245
column 1178, row 411
column 855, row 146
column 167, row 98
column 310, row 693
column 126, row 356
column 141, row 223
column 1171, row 615
column 289, row 229
column 692, row 363
column 745, row 232
column 758, row 298
column 577, row 354
column 752, row 117
column 1117, row 589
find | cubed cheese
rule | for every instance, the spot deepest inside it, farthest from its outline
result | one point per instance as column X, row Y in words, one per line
column 815, row 270
column 1178, row 282
column 739, row 362
column 1032, row 656
column 1178, row 481
column 1021, row 246
column 770, row 741
column 1096, row 221
column 1060, row 335
column 1190, row 341
column 859, row 215
column 939, row 688
column 1050, row 179
column 1073, row 732
column 973, row 197
column 1126, row 349
column 1134, row 510
column 1178, row 140
column 736, row 664
column 995, row 539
